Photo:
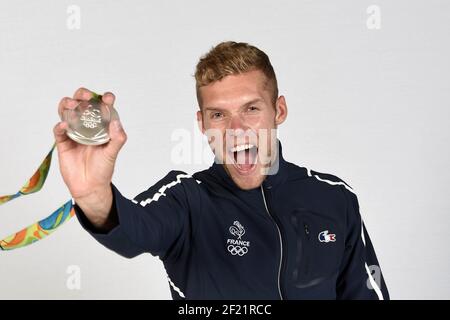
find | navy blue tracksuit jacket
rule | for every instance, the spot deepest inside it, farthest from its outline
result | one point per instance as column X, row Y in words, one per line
column 297, row 236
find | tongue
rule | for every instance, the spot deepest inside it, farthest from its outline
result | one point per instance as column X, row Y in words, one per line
column 246, row 159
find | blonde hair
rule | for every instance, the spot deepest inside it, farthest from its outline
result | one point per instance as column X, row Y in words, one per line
column 231, row 58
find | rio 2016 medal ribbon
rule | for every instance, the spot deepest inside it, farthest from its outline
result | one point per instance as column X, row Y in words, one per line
column 44, row 227
column 87, row 125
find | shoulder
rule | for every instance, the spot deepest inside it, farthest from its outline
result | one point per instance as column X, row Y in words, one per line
column 332, row 182
column 328, row 179
column 322, row 184
column 341, row 195
column 175, row 182
column 178, row 177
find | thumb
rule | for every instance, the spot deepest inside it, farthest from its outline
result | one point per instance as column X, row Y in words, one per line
column 118, row 138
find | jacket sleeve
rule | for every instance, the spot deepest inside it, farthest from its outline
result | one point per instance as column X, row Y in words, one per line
column 155, row 221
column 360, row 274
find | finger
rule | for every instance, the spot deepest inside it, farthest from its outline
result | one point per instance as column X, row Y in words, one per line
column 118, row 139
column 82, row 94
column 66, row 103
column 109, row 98
column 59, row 131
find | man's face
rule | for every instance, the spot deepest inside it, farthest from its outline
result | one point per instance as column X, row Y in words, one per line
column 240, row 120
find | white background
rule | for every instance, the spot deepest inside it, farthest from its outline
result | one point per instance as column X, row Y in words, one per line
column 370, row 106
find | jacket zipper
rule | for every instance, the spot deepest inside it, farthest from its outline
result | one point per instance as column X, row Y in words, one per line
column 281, row 242
column 307, row 232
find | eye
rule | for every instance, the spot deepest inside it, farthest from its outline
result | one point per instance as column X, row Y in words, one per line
column 216, row 115
column 252, row 109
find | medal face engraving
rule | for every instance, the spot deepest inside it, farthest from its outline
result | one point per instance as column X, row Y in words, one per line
column 91, row 117
column 89, row 122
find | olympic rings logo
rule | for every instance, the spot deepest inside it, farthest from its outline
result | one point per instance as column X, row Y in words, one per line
column 237, row 250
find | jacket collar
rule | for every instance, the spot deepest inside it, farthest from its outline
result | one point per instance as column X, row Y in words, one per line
column 278, row 173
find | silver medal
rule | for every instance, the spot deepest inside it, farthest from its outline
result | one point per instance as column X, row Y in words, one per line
column 89, row 121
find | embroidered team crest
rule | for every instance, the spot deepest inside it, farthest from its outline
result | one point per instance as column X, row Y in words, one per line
column 237, row 246
column 237, row 229
column 324, row 236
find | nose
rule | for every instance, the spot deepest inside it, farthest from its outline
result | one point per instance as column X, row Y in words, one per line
column 236, row 131
column 237, row 123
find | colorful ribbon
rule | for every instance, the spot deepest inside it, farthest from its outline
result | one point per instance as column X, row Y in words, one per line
column 44, row 227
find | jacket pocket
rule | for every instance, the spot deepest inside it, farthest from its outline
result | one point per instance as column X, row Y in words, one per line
column 319, row 247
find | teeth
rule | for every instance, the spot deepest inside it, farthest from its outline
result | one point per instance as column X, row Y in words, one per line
column 241, row 147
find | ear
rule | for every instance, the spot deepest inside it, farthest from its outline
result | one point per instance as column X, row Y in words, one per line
column 281, row 110
column 201, row 127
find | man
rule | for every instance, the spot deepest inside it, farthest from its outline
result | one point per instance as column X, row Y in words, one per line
column 252, row 226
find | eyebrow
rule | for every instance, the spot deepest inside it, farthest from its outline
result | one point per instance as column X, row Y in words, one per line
column 242, row 106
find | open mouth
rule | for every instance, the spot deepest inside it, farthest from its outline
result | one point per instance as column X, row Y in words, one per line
column 244, row 157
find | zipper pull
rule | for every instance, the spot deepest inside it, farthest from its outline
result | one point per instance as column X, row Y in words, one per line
column 306, row 229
